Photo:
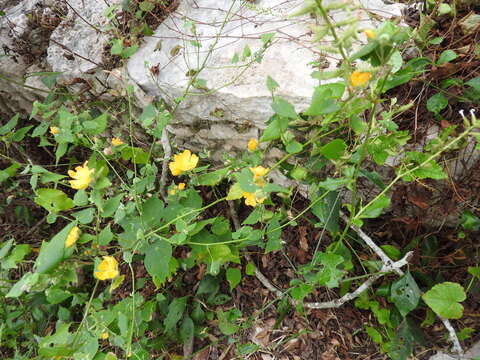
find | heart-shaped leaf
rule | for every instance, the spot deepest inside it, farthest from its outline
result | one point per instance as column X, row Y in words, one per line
column 444, row 299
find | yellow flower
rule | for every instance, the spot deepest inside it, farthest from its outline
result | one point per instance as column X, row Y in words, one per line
column 359, row 78
column 107, row 269
column 180, row 186
column 251, row 199
column 104, row 335
column 82, row 176
column 117, row 141
column 72, row 236
column 252, row 144
column 183, row 162
column 54, row 130
column 370, row 33
column 258, row 172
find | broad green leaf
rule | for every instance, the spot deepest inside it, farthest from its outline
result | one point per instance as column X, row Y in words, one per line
column 9, row 126
column 52, row 252
column 283, row 108
column 274, row 233
column 294, row 147
column 272, row 85
column 245, row 180
column 187, row 330
column 5, row 249
column 327, row 210
column 332, row 184
column 111, row 206
column 406, row 335
column 391, row 251
column 175, row 313
column 334, row 149
column 57, row 295
column 148, row 115
column 374, row 334
column 275, row 128
column 227, row 321
column 234, row 276
column 17, row 255
column 405, row 294
column 329, row 276
column 374, row 209
column 9, row 172
column 135, row 154
column 53, row 200
column 446, row 56
column 146, row 6
column 444, row 299
column 157, row 259
column 430, row 169
column 474, row 271
column 437, row 103
column 97, row 125
column 235, row 192
column 105, row 236
column 22, row 285
column 212, row 178
column 84, row 216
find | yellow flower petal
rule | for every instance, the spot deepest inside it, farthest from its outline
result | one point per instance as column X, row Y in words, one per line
column 72, row 236
column 182, row 162
column 54, row 130
column 181, row 186
column 252, row 144
column 107, row 269
column 359, row 78
column 82, row 176
column 251, row 199
column 117, row 142
column 258, row 171
column 370, row 33
column 104, row 335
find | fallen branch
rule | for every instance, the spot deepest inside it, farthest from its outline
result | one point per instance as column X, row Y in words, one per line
column 393, row 267
column 457, row 348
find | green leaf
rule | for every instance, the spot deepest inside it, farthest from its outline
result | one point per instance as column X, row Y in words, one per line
column 9, row 172
column 111, row 205
column 332, row 184
column 226, row 321
column 444, row 300
column 437, row 103
column 135, row 154
column 175, row 312
column 187, row 330
column 272, row 85
column 97, row 125
column 374, row 334
column 327, row 210
column 405, row 294
column 391, row 251
column 235, row 192
column 283, row 108
column 329, row 276
column 5, row 249
column 429, row 170
column 117, row 47
column 446, row 57
column 52, row 252
column 474, row 271
column 105, row 236
column 274, row 232
column 334, row 149
column 53, row 200
column 234, row 276
column 24, row 284
column 148, row 116
column 375, row 208
column 9, row 126
column 146, row 6
column 17, row 255
column 84, row 216
column 406, row 335
column 275, row 128
column 56, row 295
column 157, row 259
column 212, row 178
column 474, row 83
column 294, row 147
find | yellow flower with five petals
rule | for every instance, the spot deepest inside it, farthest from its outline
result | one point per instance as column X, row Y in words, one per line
column 370, row 33
column 107, row 269
column 359, row 78
column 82, row 176
column 72, row 236
column 117, row 141
column 182, row 162
column 54, row 130
column 251, row 199
column 252, row 144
